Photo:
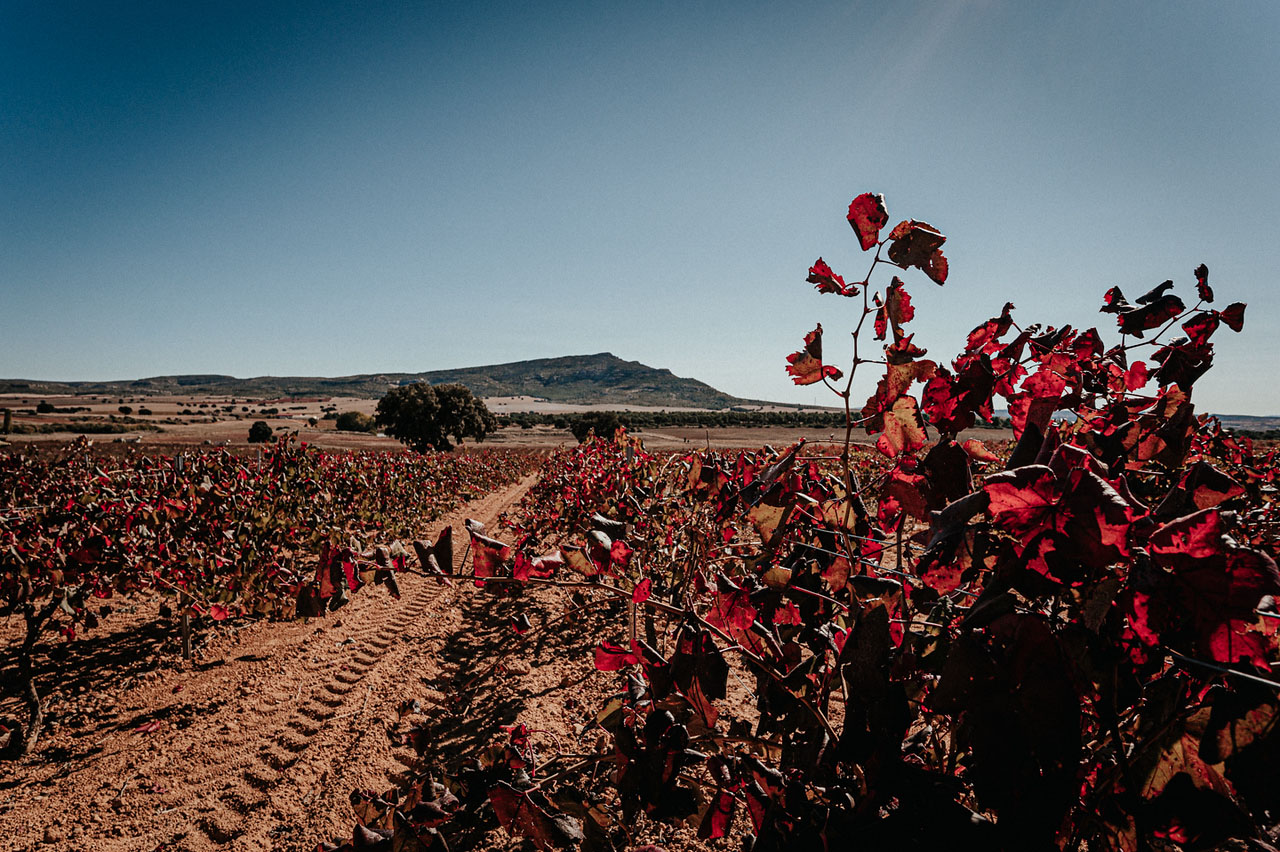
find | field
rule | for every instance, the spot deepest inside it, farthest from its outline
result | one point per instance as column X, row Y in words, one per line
column 209, row 422
column 924, row 637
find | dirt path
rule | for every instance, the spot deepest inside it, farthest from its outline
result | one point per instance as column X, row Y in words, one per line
column 260, row 745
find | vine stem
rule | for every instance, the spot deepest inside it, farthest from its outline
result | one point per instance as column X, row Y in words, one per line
column 526, row 637
column 747, row 654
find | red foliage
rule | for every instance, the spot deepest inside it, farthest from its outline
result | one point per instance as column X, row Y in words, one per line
column 1055, row 644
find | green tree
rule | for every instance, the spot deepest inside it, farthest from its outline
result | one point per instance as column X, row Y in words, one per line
column 355, row 421
column 259, row 432
column 603, row 423
column 423, row 416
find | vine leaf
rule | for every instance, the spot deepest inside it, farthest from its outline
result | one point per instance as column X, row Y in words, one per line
column 1203, row 290
column 806, row 366
column 919, row 244
column 700, row 671
column 867, row 216
column 904, row 430
column 1067, row 522
column 487, row 555
column 828, row 282
column 519, row 814
column 612, row 658
column 1153, row 309
column 1233, row 316
column 1206, row 591
column 894, row 311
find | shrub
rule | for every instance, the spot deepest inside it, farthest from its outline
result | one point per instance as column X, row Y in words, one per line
column 355, row 421
column 259, row 432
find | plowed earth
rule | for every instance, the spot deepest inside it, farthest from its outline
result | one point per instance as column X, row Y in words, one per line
column 258, row 742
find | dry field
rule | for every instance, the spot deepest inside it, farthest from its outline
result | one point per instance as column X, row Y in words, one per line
column 257, row 742
column 190, row 420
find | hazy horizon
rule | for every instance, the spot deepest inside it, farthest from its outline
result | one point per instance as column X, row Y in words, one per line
column 325, row 189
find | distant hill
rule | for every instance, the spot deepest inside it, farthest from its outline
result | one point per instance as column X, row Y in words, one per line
column 573, row 379
column 1248, row 423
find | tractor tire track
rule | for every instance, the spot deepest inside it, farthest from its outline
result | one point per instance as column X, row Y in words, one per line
column 261, row 751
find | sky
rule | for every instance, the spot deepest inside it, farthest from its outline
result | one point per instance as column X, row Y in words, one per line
column 320, row 188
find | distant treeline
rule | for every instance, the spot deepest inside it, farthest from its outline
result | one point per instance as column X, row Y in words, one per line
column 1263, row 434
column 639, row 420
column 81, row 427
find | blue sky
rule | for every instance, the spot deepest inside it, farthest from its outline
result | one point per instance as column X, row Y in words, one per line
column 327, row 189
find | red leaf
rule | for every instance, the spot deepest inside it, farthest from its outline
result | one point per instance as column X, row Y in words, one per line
column 1068, row 521
column 1233, row 316
column 218, row 612
column 978, row 451
column 806, row 366
column 1159, row 311
column 641, row 592
column 1202, row 283
column 919, row 244
column 620, row 553
column 699, row 671
column 867, row 216
column 349, row 571
column 1211, row 589
column 937, row 267
column 719, row 816
column 894, row 311
column 149, row 727
column 1201, row 327
column 1136, row 377
column 612, row 658
column 1022, row 500
column 519, row 814
column 324, row 573
column 1113, row 302
column 788, row 614
column 828, row 282
column 837, row 574
column 541, row 567
column 1206, row 486
column 904, row 430
column 986, row 337
column 487, row 555
column 733, row 613
column 951, row 402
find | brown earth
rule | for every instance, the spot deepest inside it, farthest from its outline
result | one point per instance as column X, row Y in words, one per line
column 294, row 415
column 258, row 742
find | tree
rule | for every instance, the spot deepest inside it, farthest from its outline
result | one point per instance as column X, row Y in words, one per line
column 354, row 421
column 259, row 432
column 603, row 423
column 423, row 416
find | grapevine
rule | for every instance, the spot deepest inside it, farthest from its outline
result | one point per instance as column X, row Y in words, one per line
column 1062, row 643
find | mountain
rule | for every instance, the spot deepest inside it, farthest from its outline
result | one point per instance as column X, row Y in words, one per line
column 576, row 379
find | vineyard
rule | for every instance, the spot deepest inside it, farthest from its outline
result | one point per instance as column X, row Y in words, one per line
column 220, row 536
column 1063, row 641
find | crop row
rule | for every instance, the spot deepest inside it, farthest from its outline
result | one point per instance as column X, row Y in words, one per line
column 1064, row 643
column 223, row 535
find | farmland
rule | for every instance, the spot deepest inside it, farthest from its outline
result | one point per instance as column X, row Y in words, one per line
column 904, row 631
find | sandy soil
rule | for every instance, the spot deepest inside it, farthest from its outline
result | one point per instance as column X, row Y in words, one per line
column 258, row 742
